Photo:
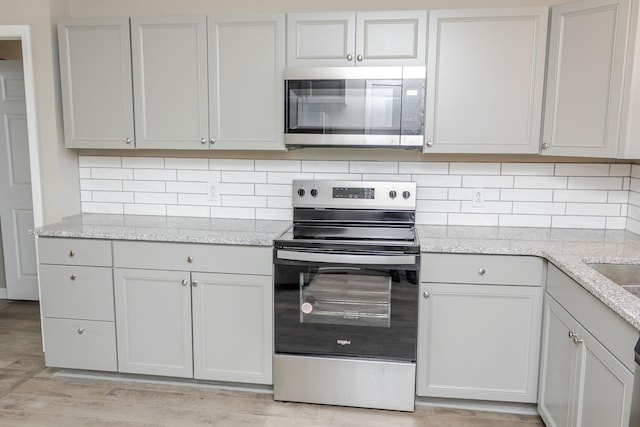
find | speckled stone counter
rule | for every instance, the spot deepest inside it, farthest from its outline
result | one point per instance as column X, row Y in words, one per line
column 167, row 229
column 569, row 250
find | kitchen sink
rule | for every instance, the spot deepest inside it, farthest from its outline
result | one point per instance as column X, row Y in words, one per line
column 625, row 275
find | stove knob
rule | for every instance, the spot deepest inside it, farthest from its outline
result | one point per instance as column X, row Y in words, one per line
column 314, row 192
column 406, row 194
column 300, row 192
column 393, row 194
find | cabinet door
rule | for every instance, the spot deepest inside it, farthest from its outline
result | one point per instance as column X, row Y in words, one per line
column 153, row 322
column 479, row 342
column 233, row 327
column 321, row 39
column 605, row 386
column 391, row 38
column 485, row 77
column 557, row 367
column 246, row 62
column 587, row 48
column 95, row 74
column 169, row 57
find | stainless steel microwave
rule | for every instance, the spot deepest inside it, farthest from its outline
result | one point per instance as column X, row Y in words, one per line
column 355, row 107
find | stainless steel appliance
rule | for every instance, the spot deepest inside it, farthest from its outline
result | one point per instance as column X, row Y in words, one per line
column 634, row 420
column 346, row 295
column 355, row 107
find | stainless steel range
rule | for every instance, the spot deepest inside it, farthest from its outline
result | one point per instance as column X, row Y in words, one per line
column 346, row 296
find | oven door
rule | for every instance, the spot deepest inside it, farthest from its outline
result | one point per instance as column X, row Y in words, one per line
column 346, row 304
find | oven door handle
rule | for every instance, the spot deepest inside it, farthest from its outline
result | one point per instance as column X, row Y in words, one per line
column 346, row 258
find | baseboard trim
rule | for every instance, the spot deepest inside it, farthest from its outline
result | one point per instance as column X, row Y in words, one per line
column 3, row 293
column 479, row 405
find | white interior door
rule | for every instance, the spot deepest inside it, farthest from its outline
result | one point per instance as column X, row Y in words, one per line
column 16, row 206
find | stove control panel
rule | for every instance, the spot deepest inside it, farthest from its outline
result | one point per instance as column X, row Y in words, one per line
column 354, row 194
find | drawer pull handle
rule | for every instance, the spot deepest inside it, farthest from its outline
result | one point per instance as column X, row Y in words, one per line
column 81, row 331
column 72, row 254
column 189, row 259
column 73, row 277
column 184, row 282
column 425, row 295
column 482, row 271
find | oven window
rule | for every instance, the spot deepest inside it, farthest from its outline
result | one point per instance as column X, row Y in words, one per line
column 342, row 297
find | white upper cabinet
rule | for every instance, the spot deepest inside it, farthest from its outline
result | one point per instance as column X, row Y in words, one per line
column 95, row 73
column 485, row 77
column 246, row 62
column 345, row 39
column 169, row 58
column 586, row 67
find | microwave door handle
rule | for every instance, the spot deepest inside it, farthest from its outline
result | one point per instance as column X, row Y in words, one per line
column 346, row 258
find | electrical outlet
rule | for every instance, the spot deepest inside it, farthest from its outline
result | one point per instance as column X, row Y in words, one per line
column 212, row 191
column 477, row 198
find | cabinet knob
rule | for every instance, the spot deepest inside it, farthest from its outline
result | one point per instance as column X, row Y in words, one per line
column 572, row 335
column 481, row 271
column 72, row 254
column 212, row 141
column 184, row 282
column 194, row 283
column 127, row 141
column 429, row 144
column 81, row 331
column 189, row 259
column 577, row 340
column 73, row 277
column 203, row 141
column 545, row 146
column 359, row 58
column 349, row 57
column 425, row 295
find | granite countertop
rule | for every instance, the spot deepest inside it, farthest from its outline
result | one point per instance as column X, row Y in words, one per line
column 568, row 249
column 167, row 229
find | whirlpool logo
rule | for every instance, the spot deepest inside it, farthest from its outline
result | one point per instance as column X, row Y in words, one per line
column 344, row 342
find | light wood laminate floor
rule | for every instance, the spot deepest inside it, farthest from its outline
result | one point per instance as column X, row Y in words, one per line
column 32, row 395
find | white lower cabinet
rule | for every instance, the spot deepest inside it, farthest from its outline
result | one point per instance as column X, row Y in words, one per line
column 479, row 328
column 582, row 383
column 213, row 326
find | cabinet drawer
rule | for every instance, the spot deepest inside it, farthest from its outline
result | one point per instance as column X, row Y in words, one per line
column 75, row 292
column 74, row 251
column 193, row 257
column 481, row 269
column 80, row 344
column 615, row 333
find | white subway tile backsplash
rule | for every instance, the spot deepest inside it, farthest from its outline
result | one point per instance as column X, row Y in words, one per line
column 143, row 162
column 156, row 198
column 154, row 174
column 150, row 186
column 561, row 195
column 337, row 166
column 593, row 196
column 582, row 169
column 533, row 169
column 595, row 183
column 198, row 187
column 231, row 164
column 99, row 162
column 373, row 167
column 145, row 209
column 278, row 165
column 112, row 196
column 424, row 168
column 111, row 173
column 526, row 195
column 185, row 163
column 100, row 185
column 474, row 168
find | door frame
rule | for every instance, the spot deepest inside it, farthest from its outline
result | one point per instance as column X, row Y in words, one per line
column 23, row 33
